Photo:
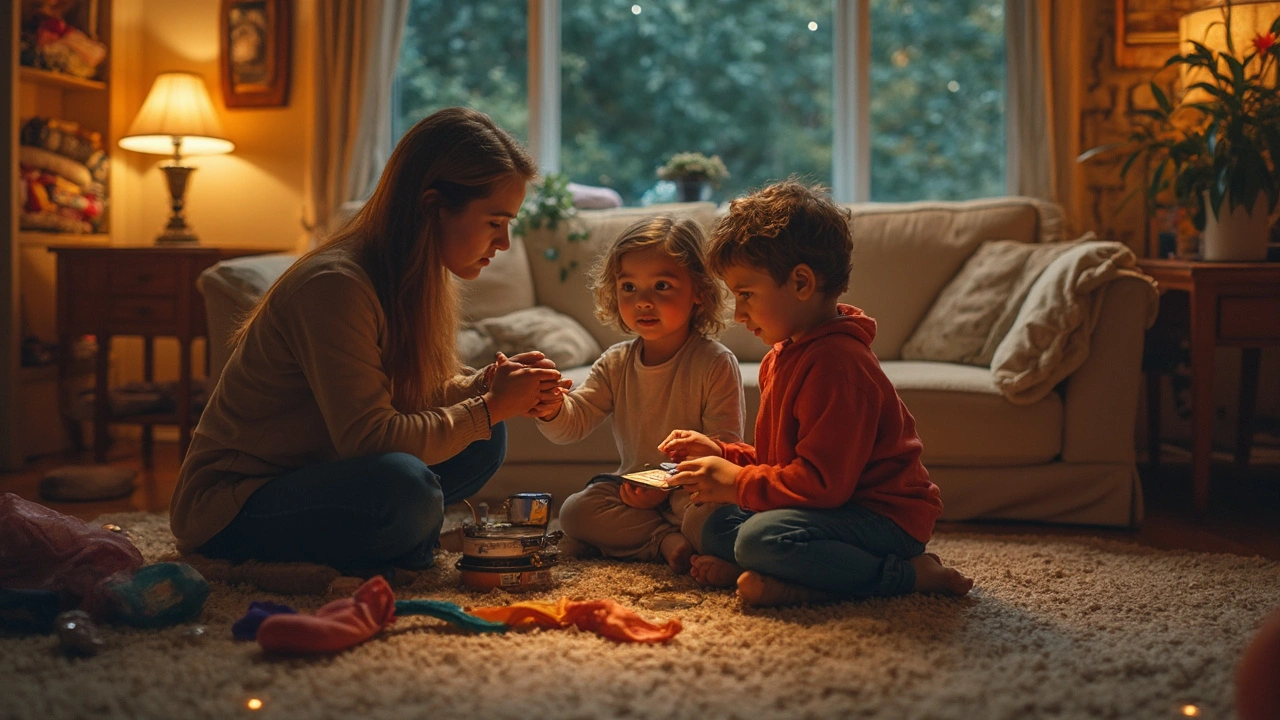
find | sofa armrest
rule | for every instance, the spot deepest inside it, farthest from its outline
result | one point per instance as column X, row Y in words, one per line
column 1101, row 399
column 231, row 288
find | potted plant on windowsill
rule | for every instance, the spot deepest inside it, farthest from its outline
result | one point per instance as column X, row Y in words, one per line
column 550, row 203
column 1218, row 148
column 694, row 174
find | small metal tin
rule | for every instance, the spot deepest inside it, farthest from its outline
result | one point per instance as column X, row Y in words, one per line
column 502, row 540
column 511, row 581
column 509, row 574
column 526, row 562
column 529, row 508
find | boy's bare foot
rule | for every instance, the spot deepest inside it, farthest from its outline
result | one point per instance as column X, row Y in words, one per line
column 677, row 549
column 932, row 577
column 765, row 591
column 711, row 570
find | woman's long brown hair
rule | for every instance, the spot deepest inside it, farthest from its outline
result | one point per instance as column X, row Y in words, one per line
column 462, row 155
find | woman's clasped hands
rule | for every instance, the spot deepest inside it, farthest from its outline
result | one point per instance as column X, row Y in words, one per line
column 527, row 384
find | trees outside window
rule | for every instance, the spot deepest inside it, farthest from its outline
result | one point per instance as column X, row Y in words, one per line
column 751, row 82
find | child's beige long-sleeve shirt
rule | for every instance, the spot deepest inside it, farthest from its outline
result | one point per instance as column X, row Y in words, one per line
column 306, row 386
column 700, row 388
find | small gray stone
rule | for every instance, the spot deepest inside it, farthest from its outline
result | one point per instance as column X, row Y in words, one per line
column 77, row 634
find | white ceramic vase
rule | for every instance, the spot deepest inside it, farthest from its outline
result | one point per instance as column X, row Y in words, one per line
column 1238, row 235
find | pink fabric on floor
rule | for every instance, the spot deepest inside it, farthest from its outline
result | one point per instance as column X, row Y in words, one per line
column 42, row 549
column 337, row 626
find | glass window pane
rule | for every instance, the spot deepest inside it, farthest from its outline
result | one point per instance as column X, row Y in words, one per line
column 748, row 81
column 937, row 99
column 472, row 54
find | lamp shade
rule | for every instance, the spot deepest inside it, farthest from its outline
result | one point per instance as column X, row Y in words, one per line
column 178, row 108
column 1208, row 27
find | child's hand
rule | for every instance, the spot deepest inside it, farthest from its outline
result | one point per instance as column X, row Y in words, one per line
column 532, row 358
column 550, row 399
column 641, row 497
column 684, row 444
column 708, row 479
column 515, row 389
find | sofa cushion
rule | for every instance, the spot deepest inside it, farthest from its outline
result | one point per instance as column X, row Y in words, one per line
column 503, row 287
column 975, row 310
column 964, row 420
column 960, row 415
column 905, row 253
column 558, row 336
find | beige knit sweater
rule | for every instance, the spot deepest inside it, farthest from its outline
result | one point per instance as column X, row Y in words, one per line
column 307, row 386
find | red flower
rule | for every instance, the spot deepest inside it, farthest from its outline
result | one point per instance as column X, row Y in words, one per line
column 1264, row 42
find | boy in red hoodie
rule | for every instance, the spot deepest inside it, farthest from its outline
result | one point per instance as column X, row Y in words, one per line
column 833, row 501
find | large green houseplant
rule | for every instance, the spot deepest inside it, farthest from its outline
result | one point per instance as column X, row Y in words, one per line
column 1218, row 148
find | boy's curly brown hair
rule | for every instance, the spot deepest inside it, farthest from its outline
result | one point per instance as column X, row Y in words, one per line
column 782, row 226
column 685, row 242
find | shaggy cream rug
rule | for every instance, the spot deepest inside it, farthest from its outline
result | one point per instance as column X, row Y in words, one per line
column 1057, row 627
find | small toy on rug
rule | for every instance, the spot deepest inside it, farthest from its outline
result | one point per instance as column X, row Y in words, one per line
column 78, row 635
column 155, row 596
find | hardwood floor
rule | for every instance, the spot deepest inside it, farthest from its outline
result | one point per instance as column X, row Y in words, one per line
column 1243, row 516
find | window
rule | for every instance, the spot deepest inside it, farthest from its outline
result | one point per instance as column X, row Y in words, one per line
column 756, row 83
column 472, row 53
column 748, row 81
column 937, row 99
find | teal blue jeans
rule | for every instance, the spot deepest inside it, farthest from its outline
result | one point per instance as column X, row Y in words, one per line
column 358, row 515
column 849, row 551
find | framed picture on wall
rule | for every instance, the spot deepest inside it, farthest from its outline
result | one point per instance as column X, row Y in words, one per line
column 1147, row 30
column 255, row 52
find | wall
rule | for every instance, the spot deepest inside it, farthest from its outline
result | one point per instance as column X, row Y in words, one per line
column 1109, row 95
column 254, row 196
column 251, row 197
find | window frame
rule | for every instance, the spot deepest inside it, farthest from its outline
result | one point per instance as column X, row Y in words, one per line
column 851, row 124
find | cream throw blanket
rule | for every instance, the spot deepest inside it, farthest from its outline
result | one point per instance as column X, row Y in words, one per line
column 1049, row 338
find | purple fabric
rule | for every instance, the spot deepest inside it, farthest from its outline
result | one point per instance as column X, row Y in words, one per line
column 246, row 628
column 42, row 549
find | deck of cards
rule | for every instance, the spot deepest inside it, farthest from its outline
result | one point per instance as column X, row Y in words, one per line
column 653, row 478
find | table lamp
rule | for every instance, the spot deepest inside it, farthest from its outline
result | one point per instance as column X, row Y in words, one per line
column 177, row 117
column 1208, row 27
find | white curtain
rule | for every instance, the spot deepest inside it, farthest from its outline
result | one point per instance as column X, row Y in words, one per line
column 357, row 48
column 1042, row 112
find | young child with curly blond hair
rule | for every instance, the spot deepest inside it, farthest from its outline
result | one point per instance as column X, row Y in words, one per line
column 654, row 283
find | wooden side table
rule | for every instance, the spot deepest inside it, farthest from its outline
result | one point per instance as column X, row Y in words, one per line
column 142, row 291
column 1227, row 305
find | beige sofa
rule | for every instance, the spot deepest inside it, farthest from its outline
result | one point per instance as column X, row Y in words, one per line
column 1068, row 457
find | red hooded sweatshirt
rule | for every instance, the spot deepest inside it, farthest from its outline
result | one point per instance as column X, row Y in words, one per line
column 832, row 430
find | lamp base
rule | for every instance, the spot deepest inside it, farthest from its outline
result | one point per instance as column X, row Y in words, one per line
column 177, row 232
column 172, row 236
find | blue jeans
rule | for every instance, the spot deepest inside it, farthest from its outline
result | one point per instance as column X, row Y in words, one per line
column 361, row 514
column 849, row 551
